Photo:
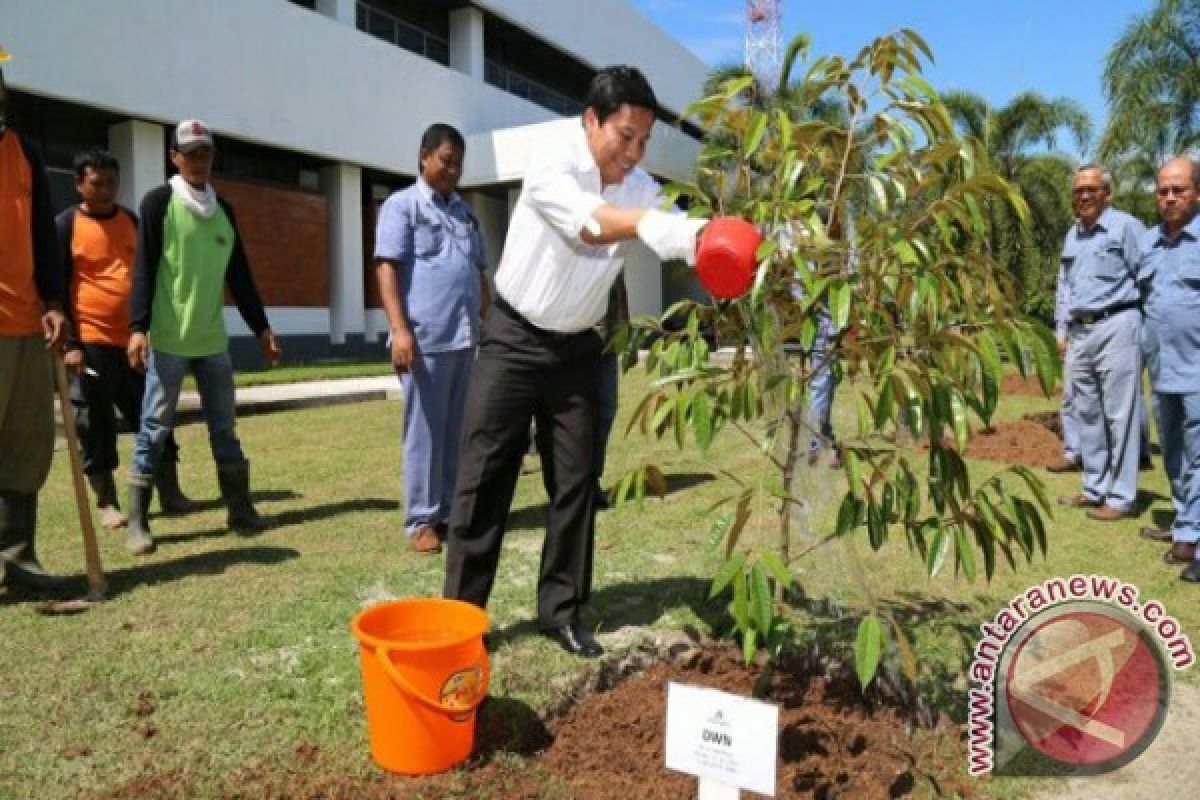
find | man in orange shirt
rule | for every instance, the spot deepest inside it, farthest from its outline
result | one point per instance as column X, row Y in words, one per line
column 31, row 319
column 98, row 240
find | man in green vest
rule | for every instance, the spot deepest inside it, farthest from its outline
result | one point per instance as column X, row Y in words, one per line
column 189, row 251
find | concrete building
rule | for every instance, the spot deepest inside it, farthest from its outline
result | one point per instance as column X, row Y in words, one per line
column 319, row 106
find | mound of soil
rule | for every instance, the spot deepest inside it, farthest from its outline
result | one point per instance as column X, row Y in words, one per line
column 1033, row 441
column 1029, row 386
column 834, row 741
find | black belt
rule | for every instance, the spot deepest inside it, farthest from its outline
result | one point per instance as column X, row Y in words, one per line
column 1092, row 317
column 503, row 306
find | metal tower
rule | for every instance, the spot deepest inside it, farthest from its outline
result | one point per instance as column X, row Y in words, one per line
column 764, row 20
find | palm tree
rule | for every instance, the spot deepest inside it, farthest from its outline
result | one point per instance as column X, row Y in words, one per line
column 1152, row 83
column 1020, row 141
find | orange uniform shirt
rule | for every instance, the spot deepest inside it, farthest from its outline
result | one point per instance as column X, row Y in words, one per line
column 20, row 303
column 102, row 253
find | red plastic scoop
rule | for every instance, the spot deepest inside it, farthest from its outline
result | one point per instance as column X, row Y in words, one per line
column 725, row 258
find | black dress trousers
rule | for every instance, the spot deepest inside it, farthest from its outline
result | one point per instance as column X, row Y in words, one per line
column 523, row 373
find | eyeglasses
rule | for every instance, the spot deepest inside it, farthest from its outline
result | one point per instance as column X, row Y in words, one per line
column 1080, row 191
column 1178, row 191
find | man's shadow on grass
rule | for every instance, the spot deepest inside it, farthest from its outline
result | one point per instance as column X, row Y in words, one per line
column 533, row 517
column 213, row 503
column 297, row 516
column 213, row 562
column 635, row 603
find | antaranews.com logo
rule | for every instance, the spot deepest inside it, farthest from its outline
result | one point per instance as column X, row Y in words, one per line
column 1073, row 677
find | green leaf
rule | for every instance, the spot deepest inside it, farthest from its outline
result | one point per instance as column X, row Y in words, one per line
column 702, row 420
column 749, row 644
column 839, row 297
column 682, row 403
column 958, row 412
column 876, row 530
column 754, row 137
column 853, row 471
column 760, row 598
column 741, row 607
column 731, row 569
column 868, row 649
column 847, row 518
column 939, row 548
column 777, row 568
column 965, row 552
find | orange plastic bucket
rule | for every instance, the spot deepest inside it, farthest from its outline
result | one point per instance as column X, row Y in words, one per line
column 425, row 672
column 725, row 260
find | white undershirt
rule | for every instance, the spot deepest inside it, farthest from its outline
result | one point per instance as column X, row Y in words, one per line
column 547, row 273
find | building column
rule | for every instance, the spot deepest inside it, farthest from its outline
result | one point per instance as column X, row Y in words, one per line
column 140, row 148
column 344, row 11
column 643, row 280
column 342, row 185
column 466, row 41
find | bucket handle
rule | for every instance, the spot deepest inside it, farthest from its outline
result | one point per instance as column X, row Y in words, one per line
column 382, row 654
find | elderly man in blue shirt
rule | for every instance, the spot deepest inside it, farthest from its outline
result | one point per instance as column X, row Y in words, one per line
column 430, row 261
column 1099, row 264
column 1069, row 419
column 1169, row 281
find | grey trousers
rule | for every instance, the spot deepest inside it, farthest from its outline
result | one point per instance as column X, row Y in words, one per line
column 1106, row 370
column 26, row 413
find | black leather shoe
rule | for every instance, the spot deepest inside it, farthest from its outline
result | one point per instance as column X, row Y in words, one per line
column 1192, row 573
column 576, row 640
column 600, row 499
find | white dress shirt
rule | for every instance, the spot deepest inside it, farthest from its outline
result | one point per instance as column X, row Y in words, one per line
column 547, row 273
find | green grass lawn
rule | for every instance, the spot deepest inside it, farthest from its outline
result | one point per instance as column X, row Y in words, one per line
column 222, row 653
column 294, row 373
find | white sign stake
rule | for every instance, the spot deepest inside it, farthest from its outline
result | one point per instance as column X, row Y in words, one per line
column 728, row 742
column 714, row 790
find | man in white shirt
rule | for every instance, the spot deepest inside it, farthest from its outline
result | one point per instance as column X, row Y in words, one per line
column 581, row 204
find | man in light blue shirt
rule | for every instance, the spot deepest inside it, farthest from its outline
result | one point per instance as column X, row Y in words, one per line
column 1169, row 281
column 430, row 261
column 1104, row 357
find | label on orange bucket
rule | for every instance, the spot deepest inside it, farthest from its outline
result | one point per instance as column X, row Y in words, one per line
column 461, row 691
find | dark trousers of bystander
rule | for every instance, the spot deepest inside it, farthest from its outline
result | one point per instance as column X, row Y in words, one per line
column 525, row 373
column 95, row 397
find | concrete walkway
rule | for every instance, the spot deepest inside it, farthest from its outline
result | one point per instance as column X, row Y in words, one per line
column 306, row 394
column 279, row 397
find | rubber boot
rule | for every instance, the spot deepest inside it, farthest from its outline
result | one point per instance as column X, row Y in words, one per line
column 171, row 498
column 18, row 527
column 105, row 490
column 138, row 540
column 235, row 488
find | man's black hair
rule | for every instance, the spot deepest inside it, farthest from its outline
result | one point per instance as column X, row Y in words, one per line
column 96, row 159
column 437, row 135
column 616, row 86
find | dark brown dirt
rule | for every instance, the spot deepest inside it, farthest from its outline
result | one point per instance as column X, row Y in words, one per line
column 1033, row 441
column 833, row 742
column 1015, row 384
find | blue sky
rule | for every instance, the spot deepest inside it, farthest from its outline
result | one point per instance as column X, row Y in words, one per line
column 997, row 48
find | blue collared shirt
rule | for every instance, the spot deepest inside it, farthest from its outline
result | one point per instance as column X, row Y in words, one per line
column 1169, row 281
column 1099, row 266
column 437, row 248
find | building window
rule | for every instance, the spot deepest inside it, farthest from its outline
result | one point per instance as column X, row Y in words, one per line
column 528, row 67
column 422, row 28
